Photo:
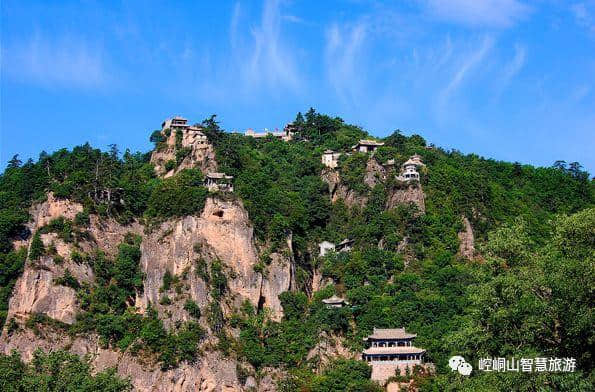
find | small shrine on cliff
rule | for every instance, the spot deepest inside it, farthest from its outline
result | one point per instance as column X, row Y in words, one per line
column 335, row 302
column 218, row 182
column 409, row 169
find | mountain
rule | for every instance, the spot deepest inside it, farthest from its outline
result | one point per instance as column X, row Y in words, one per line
column 198, row 266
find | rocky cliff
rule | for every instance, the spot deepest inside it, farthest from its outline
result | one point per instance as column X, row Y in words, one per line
column 467, row 241
column 374, row 174
column 401, row 193
column 404, row 193
column 187, row 152
column 222, row 234
column 338, row 190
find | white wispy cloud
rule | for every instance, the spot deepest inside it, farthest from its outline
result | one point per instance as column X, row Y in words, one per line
column 512, row 68
column 233, row 25
column 584, row 14
column 271, row 62
column 64, row 61
column 479, row 13
column 342, row 55
column 293, row 18
column 468, row 63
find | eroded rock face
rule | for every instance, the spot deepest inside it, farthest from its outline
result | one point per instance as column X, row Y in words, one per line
column 467, row 241
column 329, row 348
column 222, row 232
column 211, row 373
column 53, row 208
column 36, row 292
column 339, row 190
column 375, row 173
column 107, row 234
column 200, row 155
column 276, row 280
column 408, row 193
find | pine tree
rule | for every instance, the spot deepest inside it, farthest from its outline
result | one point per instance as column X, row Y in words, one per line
column 37, row 249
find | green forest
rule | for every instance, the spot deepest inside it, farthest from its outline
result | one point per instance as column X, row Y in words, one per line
column 529, row 293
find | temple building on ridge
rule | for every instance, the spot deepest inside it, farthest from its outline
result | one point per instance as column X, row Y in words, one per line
column 390, row 350
column 175, row 122
column 192, row 134
column 286, row 134
column 367, row 146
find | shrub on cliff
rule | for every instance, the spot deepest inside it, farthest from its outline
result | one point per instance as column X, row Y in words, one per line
column 56, row 372
column 182, row 194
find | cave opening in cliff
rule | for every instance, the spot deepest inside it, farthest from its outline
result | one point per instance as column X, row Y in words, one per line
column 218, row 213
column 261, row 301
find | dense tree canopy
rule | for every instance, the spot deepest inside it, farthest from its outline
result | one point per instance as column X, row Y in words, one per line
column 530, row 292
column 56, row 372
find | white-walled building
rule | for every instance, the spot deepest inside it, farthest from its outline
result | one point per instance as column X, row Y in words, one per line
column 286, row 134
column 343, row 246
column 409, row 169
column 330, row 158
column 335, row 302
column 325, row 247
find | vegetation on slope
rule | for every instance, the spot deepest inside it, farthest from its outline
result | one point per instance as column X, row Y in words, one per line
column 531, row 294
column 56, row 372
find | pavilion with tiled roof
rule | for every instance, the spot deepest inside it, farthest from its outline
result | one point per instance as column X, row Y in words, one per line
column 392, row 345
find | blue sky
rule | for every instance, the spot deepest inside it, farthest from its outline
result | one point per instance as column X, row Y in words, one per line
column 507, row 79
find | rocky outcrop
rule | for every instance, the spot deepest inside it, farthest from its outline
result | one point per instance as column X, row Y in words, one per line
column 276, row 280
column 52, row 208
column 319, row 281
column 36, row 292
column 211, row 373
column 222, row 233
column 340, row 191
column 197, row 154
column 375, row 173
column 329, row 348
column 401, row 193
column 467, row 241
column 405, row 193
column 105, row 234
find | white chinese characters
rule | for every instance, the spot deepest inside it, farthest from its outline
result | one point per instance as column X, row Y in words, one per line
column 527, row 365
